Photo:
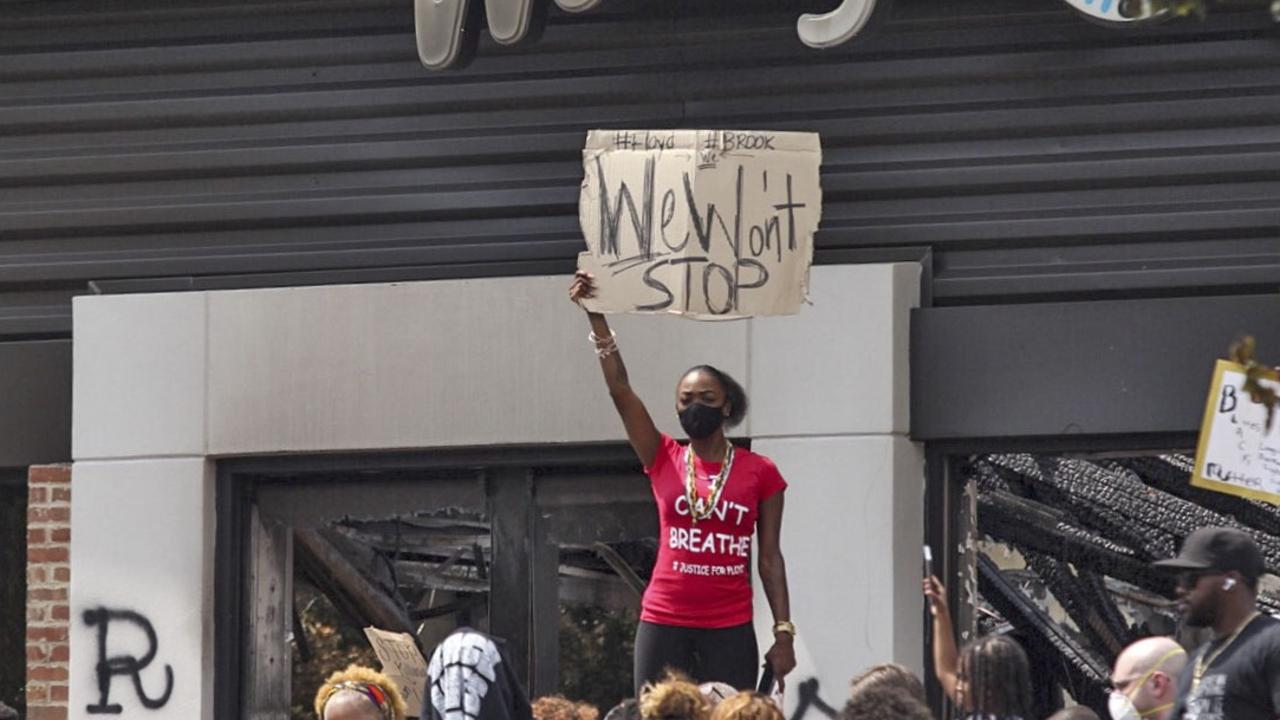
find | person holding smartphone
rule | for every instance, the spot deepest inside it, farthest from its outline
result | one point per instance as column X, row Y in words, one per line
column 990, row 679
column 713, row 499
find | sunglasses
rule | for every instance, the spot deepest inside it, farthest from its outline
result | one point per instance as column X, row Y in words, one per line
column 1189, row 578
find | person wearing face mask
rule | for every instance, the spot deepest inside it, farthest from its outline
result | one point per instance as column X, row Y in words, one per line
column 1236, row 675
column 713, row 500
column 1144, row 679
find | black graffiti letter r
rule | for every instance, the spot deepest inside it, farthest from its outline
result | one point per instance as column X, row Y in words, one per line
column 110, row 666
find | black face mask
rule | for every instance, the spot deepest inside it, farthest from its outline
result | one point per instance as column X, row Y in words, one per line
column 700, row 421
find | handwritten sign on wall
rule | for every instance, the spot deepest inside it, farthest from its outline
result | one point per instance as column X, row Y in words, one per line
column 711, row 224
column 1238, row 453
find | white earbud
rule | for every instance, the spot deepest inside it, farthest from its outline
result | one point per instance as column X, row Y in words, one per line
column 1228, row 583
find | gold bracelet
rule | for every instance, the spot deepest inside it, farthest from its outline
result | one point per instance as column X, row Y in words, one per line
column 784, row 626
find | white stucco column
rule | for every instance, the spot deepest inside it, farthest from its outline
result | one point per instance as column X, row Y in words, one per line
column 833, row 416
column 142, row 545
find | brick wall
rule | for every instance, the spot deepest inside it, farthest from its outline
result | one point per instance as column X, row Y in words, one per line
column 48, row 581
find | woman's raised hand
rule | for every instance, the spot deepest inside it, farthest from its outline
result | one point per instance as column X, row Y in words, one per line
column 582, row 287
column 641, row 431
column 945, row 662
column 936, row 593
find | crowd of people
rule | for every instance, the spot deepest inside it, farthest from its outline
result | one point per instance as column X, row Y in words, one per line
column 1234, row 676
column 720, row 505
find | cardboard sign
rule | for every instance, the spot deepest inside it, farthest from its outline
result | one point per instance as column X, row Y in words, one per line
column 1237, row 453
column 712, row 224
column 402, row 662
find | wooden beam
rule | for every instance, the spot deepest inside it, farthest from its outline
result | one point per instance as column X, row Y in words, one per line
column 544, row 612
column 606, row 590
column 426, row 542
column 339, row 575
column 269, row 589
column 449, row 608
column 510, row 500
column 620, row 566
column 429, row 575
column 300, row 635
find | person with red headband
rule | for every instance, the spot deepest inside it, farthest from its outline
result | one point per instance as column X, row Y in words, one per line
column 359, row 693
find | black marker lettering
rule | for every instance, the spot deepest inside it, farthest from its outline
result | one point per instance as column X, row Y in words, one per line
column 706, row 288
column 759, row 268
column 1229, row 400
column 611, row 216
column 702, row 231
column 688, row 263
column 668, row 214
column 658, row 285
column 790, row 206
column 737, row 239
column 756, row 234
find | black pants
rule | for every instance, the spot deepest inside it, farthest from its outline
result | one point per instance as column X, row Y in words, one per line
column 727, row 655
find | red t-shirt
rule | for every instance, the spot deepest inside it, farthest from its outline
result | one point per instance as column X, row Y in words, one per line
column 702, row 577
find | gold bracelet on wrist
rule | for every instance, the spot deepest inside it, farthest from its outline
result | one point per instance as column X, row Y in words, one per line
column 784, row 626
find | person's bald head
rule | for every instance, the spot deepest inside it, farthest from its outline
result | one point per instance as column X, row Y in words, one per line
column 351, row 705
column 1145, row 654
column 1147, row 673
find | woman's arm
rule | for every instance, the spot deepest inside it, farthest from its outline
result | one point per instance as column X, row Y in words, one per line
column 945, row 656
column 641, row 432
column 773, row 576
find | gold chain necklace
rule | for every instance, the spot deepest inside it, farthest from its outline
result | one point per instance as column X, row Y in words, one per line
column 698, row 509
column 1205, row 660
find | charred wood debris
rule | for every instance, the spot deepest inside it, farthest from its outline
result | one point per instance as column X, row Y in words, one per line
column 1088, row 530
column 398, row 573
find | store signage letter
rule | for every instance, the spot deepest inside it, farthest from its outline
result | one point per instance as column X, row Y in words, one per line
column 838, row 26
column 447, row 30
column 1119, row 12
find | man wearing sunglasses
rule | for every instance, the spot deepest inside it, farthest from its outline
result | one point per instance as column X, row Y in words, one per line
column 1144, row 681
column 1235, row 675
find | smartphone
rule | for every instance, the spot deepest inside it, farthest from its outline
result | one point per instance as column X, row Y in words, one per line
column 928, row 562
column 766, row 680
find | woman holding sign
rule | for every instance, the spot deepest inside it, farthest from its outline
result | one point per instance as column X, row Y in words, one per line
column 712, row 499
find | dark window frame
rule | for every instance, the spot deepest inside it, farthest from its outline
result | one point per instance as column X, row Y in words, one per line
column 13, row 482
column 237, row 480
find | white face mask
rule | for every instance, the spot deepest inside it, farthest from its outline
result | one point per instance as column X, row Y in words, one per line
column 1120, row 707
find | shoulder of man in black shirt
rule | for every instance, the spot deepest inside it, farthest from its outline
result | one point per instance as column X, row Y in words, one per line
column 1239, row 681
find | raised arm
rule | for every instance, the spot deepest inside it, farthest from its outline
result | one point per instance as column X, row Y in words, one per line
column 641, row 432
column 945, row 657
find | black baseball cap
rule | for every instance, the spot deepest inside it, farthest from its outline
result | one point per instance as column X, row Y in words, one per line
column 1220, row 549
